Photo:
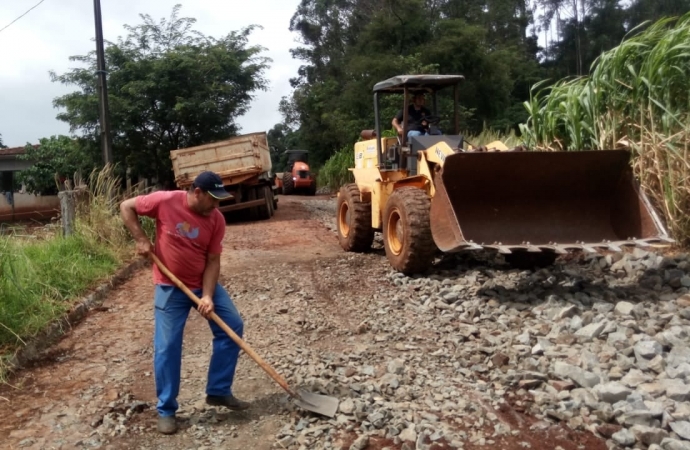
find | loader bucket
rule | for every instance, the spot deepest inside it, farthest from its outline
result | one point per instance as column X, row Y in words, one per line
column 540, row 201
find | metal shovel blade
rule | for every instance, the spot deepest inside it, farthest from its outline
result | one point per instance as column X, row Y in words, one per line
column 320, row 404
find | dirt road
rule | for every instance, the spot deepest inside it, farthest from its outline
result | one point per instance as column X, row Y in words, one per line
column 340, row 323
column 105, row 364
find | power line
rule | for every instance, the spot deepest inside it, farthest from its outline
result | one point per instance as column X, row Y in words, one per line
column 6, row 26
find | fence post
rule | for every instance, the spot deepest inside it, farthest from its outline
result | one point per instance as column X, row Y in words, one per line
column 67, row 211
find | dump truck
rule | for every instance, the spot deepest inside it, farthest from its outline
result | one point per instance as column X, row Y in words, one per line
column 297, row 176
column 243, row 163
column 437, row 193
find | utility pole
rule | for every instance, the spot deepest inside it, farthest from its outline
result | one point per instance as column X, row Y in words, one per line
column 106, row 139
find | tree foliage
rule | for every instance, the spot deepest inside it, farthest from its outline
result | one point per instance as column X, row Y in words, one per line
column 349, row 45
column 169, row 87
column 346, row 46
column 1, row 144
column 280, row 139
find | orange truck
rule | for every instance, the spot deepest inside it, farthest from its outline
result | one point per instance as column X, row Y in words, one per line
column 297, row 176
column 243, row 163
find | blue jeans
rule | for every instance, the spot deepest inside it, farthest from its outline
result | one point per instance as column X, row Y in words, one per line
column 412, row 133
column 171, row 311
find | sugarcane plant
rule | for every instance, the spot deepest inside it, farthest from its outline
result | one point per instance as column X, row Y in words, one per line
column 636, row 96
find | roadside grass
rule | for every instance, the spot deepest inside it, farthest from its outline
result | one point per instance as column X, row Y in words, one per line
column 42, row 279
column 38, row 281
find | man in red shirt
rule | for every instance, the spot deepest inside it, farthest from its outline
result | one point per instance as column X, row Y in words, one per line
column 189, row 235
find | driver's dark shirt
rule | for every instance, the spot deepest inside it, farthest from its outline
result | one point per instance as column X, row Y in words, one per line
column 414, row 117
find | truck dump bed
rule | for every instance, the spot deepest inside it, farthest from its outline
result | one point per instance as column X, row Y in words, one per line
column 241, row 159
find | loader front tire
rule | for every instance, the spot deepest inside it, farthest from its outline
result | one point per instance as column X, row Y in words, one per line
column 353, row 220
column 407, row 236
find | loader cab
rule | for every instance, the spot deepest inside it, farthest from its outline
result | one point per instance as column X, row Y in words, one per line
column 401, row 152
column 294, row 156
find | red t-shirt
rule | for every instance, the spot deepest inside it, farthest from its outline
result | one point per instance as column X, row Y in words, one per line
column 183, row 237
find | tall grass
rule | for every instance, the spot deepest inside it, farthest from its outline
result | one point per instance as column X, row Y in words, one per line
column 42, row 279
column 510, row 139
column 39, row 281
column 636, row 97
column 334, row 172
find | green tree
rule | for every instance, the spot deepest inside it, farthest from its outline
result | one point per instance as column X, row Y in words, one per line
column 348, row 46
column 281, row 138
column 653, row 10
column 55, row 159
column 169, row 87
column 1, row 144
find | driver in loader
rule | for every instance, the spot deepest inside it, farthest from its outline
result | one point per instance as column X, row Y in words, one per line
column 416, row 114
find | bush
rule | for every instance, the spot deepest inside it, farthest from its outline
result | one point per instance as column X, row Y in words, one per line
column 334, row 172
column 53, row 159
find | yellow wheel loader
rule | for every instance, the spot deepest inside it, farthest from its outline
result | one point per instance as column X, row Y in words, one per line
column 435, row 192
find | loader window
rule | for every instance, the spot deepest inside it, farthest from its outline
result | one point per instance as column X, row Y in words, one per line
column 303, row 173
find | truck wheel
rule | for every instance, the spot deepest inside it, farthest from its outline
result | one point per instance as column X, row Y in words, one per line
column 407, row 236
column 253, row 210
column 272, row 200
column 288, row 184
column 312, row 189
column 265, row 211
column 353, row 220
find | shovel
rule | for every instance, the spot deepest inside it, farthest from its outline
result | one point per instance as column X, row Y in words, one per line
column 321, row 404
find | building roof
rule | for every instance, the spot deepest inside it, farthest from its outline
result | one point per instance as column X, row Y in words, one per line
column 12, row 151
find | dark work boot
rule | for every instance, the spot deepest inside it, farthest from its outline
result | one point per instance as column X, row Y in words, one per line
column 229, row 401
column 167, row 425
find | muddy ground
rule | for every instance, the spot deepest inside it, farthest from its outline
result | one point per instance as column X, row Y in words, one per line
column 298, row 293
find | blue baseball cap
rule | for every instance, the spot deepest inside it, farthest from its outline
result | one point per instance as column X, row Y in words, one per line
column 210, row 182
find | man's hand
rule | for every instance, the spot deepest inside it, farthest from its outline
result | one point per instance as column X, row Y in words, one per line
column 144, row 247
column 206, row 306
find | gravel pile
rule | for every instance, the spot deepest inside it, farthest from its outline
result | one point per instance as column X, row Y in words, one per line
column 597, row 343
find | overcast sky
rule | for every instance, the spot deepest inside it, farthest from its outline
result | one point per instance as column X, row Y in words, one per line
column 46, row 37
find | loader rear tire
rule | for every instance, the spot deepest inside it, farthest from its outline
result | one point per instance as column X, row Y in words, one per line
column 288, row 184
column 353, row 220
column 407, row 236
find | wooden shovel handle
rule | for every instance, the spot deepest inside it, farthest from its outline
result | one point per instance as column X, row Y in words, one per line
column 243, row 345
